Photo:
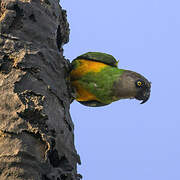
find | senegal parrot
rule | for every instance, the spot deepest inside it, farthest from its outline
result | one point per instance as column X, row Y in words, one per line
column 98, row 81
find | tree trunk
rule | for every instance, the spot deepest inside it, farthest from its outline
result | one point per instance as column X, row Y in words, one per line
column 36, row 131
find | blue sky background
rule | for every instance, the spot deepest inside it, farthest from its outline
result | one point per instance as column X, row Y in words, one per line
column 126, row 140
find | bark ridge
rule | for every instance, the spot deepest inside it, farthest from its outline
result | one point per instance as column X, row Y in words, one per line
column 36, row 130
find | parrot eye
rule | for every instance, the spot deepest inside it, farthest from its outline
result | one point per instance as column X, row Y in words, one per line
column 139, row 83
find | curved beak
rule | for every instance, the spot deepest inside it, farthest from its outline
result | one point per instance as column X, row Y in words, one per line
column 145, row 97
column 144, row 94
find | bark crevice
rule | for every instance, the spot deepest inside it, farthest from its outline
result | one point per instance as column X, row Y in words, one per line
column 36, row 130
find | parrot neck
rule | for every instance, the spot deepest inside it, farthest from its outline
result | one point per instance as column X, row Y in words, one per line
column 124, row 87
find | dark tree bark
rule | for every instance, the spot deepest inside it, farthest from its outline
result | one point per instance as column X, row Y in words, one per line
column 36, row 131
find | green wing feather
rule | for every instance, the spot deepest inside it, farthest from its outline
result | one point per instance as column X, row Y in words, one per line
column 92, row 103
column 99, row 57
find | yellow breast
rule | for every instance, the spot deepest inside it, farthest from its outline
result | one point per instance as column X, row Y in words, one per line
column 84, row 67
column 81, row 93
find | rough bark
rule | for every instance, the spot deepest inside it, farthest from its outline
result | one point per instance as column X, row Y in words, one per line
column 36, row 131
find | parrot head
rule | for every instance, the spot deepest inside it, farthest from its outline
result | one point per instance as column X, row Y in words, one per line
column 132, row 85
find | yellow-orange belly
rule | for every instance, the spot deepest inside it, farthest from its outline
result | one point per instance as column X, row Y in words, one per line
column 84, row 66
column 82, row 94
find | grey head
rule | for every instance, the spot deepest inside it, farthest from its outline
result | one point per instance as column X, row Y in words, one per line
column 132, row 85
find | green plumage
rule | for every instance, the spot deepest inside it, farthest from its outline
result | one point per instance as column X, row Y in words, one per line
column 109, row 83
column 99, row 57
column 101, row 84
